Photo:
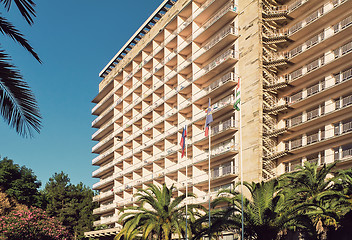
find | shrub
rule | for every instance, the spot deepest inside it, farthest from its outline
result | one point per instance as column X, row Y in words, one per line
column 31, row 224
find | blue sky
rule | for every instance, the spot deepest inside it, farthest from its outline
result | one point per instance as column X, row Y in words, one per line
column 75, row 40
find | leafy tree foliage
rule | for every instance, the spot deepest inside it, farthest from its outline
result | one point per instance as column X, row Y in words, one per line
column 19, row 182
column 18, row 106
column 31, row 224
column 159, row 216
column 71, row 204
column 313, row 185
column 266, row 212
column 8, row 204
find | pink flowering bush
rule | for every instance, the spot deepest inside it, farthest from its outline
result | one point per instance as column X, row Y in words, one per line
column 32, row 224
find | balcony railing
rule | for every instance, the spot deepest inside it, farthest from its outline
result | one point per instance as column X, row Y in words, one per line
column 104, row 208
column 224, row 170
column 217, row 61
column 228, row 7
column 221, row 35
column 219, row 82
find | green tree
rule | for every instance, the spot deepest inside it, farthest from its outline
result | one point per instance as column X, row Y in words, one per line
column 266, row 212
column 313, row 185
column 71, row 204
column 158, row 216
column 18, row 106
column 20, row 183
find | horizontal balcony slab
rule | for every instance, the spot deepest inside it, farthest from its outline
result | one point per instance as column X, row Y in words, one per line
column 319, row 121
column 333, row 90
column 331, row 142
column 336, row 65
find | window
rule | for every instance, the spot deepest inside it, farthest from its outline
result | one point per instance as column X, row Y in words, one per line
column 293, row 165
column 347, row 74
column 296, row 97
column 296, row 120
column 312, row 89
column 313, row 113
column 346, row 125
column 296, row 143
column 226, row 168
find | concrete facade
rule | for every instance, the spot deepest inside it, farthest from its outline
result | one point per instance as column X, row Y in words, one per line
column 293, row 62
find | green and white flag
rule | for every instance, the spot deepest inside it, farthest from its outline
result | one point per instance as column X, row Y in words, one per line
column 237, row 103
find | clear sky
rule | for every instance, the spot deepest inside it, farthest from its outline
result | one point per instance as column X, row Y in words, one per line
column 75, row 39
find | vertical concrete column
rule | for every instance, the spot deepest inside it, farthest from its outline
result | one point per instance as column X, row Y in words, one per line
column 250, row 73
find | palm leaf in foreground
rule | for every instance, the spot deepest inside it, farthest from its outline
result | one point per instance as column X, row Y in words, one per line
column 18, row 106
column 159, row 215
column 266, row 214
column 26, row 8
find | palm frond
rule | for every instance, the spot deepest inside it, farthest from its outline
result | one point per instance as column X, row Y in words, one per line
column 26, row 8
column 17, row 103
column 8, row 29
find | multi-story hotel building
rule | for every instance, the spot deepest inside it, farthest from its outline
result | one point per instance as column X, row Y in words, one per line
column 294, row 59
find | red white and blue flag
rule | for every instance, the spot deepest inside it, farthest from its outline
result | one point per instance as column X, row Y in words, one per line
column 208, row 120
column 183, row 141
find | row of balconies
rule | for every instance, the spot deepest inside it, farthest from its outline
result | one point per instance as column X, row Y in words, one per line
column 224, row 147
column 306, row 92
column 343, row 152
column 218, row 128
column 229, row 8
column 315, row 158
column 343, row 127
column 106, row 220
column 329, row 85
column 222, row 58
column 197, row 117
column 340, row 153
column 303, row 24
column 326, row 59
column 318, row 135
column 308, row 115
column 139, row 66
column 306, row 139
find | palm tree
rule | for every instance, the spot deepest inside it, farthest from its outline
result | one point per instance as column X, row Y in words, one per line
column 312, row 185
column 266, row 214
column 158, row 216
column 18, row 106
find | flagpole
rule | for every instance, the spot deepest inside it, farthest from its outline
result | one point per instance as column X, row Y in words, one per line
column 241, row 160
column 209, row 171
column 186, row 182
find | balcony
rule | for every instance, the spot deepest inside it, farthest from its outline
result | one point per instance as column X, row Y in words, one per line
column 103, row 196
column 224, row 170
column 207, row 9
column 106, row 101
column 218, row 131
column 325, row 139
column 103, row 169
column 104, row 182
column 342, row 82
column 216, row 88
column 221, row 107
column 220, row 151
column 216, row 66
column 217, row 21
column 219, row 41
column 104, row 208
column 333, row 60
column 103, row 92
column 326, row 13
column 107, row 113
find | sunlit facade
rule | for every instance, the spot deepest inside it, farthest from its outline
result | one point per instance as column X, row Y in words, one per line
column 294, row 62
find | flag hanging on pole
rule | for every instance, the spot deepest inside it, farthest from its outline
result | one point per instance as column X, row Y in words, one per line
column 183, row 141
column 237, row 103
column 208, row 120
